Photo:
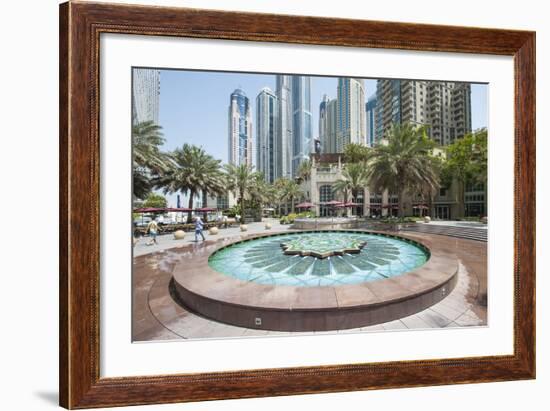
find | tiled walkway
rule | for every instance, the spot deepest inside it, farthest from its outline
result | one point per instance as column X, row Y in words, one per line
column 158, row 317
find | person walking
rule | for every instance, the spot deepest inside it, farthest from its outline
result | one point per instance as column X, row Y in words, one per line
column 198, row 229
column 153, row 229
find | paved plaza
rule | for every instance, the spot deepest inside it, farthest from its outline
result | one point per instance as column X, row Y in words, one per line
column 166, row 241
column 158, row 317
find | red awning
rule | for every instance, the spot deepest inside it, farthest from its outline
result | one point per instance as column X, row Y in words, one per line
column 332, row 203
column 205, row 209
column 305, row 205
column 149, row 210
column 160, row 210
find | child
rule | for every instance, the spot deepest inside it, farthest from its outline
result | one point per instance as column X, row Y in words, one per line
column 153, row 229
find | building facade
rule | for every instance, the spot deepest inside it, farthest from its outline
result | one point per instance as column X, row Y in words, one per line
column 284, row 123
column 371, row 120
column 444, row 204
column 444, row 107
column 240, row 147
column 145, row 95
column 302, row 133
column 268, row 147
column 351, row 120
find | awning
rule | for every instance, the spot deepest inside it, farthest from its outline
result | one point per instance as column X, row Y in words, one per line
column 149, row 210
column 332, row 203
column 205, row 209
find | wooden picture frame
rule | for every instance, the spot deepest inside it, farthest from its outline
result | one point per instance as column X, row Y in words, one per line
column 81, row 25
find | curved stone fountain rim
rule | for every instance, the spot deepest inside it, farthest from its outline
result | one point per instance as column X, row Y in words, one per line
column 198, row 279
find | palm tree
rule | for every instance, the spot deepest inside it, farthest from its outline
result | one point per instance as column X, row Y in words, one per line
column 146, row 139
column 148, row 160
column 354, row 179
column 291, row 191
column 356, row 153
column 467, row 162
column 279, row 188
column 192, row 171
column 259, row 190
column 239, row 180
column 343, row 187
column 404, row 163
column 304, row 170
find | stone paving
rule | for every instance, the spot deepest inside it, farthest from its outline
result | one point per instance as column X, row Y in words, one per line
column 166, row 241
column 158, row 317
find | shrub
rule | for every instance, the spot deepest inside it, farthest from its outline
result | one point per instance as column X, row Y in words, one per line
column 291, row 217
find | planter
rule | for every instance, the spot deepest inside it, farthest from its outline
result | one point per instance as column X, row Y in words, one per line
column 179, row 235
column 213, row 230
column 244, row 227
column 267, row 226
column 427, row 219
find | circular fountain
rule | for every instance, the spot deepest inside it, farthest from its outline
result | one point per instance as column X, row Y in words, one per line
column 314, row 280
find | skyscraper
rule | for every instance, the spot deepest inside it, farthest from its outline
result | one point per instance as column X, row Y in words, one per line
column 284, row 124
column 327, row 124
column 445, row 107
column 145, row 95
column 332, row 126
column 268, row 148
column 351, row 112
column 302, row 138
column 371, row 120
column 240, row 129
column 323, row 122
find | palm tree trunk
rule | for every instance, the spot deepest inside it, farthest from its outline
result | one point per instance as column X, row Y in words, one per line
column 292, row 204
column 205, row 204
column 461, row 204
column 400, row 203
column 430, row 203
column 242, row 206
column 191, row 195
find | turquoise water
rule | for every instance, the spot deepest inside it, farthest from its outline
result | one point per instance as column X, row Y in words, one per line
column 263, row 260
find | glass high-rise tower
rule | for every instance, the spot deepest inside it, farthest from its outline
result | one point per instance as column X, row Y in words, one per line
column 371, row 120
column 284, row 124
column 351, row 112
column 145, row 95
column 268, row 147
column 302, row 137
column 240, row 129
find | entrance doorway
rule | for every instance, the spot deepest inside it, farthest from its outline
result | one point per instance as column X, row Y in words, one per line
column 443, row 212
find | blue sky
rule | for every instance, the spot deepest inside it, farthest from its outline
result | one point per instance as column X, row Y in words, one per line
column 194, row 104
